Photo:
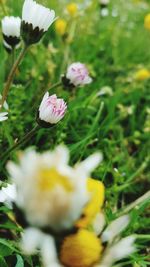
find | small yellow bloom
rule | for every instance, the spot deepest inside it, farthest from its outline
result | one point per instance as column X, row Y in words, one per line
column 142, row 75
column 60, row 26
column 72, row 9
column 147, row 22
column 96, row 188
column 82, row 249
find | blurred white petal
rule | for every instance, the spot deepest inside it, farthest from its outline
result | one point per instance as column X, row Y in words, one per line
column 115, row 228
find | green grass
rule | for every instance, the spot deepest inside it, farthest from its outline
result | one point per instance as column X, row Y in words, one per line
column 113, row 48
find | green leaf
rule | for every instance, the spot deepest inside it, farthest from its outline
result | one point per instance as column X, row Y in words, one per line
column 20, row 262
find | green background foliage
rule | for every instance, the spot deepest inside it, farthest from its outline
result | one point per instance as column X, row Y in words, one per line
column 118, row 124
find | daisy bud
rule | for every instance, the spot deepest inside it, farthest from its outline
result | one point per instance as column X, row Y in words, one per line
column 77, row 74
column 51, row 110
column 36, row 19
column 11, row 32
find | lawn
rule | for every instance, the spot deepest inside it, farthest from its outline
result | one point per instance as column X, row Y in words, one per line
column 110, row 114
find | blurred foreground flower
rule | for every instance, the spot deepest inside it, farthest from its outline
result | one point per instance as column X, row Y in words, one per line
column 36, row 19
column 3, row 116
column 11, row 32
column 142, row 74
column 72, row 9
column 85, row 248
column 52, row 198
column 147, row 22
column 51, row 110
column 77, row 74
column 60, row 26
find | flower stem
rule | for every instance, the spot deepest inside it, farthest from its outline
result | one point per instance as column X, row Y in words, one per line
column 12, row 74
column 55, row 86
column 3, row 8
column 13, row 56
column 19, row 143
column 136, row 203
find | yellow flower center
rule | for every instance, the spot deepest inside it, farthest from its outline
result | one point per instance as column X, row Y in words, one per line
column 82, row 249
column 96, row 188
column 142, row 75
column 60, row 26
column 72, row 9
column 48, row 179
column 147, row 22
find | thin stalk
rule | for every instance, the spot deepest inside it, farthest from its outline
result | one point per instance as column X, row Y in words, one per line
column 19, row 143
column 3, row 8
column 13, row 56
column 12, row 74
column 55, row 85
column 136, row 203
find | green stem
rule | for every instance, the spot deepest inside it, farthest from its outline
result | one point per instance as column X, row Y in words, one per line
column 3, row 8
column 12, row 74
column 19, row 143
column 136, row 203
column 13, row 56
column 55, row 86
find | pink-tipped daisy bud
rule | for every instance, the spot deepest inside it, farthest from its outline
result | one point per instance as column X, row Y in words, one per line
column 11, row 32
column 51, row 110
column 36, row 19
column 77, row 74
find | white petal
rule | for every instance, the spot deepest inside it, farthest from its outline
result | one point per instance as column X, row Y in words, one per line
column 98, row 223
column 118, row 251
column 89, row 164
column 115, row 228
column 48, row 252
column 31, row 240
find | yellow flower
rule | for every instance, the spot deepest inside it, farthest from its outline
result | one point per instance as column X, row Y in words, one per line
column 60, row 26
column 72, row 9
column 142, row 74
column 147, row 22
column 96, row 188
column 82, row 249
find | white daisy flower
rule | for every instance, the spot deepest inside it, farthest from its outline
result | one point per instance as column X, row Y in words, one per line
column 51, row 110
column 11, row 31
column 3, row 116
column 50, row 193
column 77, row 74
column 36, row 20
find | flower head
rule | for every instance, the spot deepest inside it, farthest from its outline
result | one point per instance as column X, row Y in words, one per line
column 147, row 22
column 85, row 248
column 77, row 74
column 51, row 110
column 142, row 74
column 36, row 19
column 11, row 31
column 96, row 189
column 60, row 26
column 81, row 249
column 50, row 193
column 3, row 116
column 72, row 9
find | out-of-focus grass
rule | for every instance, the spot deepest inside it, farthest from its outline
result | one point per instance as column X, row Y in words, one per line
column 113, row 48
